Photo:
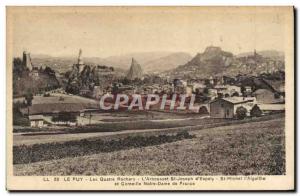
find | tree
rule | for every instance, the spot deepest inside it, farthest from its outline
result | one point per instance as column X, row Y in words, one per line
column 255, row 111
column 29, row 98
column 49, row 71
column 235, row 94
column 18, row 66
column 220, row 95
column 205, row 90
column 243, row 89
column 203, row 110
column 73, row 89
column 241, row 112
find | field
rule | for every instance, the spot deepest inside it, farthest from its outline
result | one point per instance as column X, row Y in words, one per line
column 251, row 148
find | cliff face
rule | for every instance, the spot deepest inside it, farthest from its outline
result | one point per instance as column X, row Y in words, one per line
column 135, row 70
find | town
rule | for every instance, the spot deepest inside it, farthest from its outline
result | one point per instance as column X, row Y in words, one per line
column 200, row 94
column 88, row 112
column 45, row 97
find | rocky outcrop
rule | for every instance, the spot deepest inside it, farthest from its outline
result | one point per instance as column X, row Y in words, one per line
column 135, row 70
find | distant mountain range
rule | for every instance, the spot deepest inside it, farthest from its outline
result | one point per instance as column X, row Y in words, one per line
column 149, row 61
column 212, row 61
column 168, row 62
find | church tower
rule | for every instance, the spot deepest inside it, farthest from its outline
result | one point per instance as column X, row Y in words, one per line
column 80, row 61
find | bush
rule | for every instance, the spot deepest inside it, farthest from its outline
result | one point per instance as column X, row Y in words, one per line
column 203, row 110
column 255, row 111
column 18, row 118
column 241, row 112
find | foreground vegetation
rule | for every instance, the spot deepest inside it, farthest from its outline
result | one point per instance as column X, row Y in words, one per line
column 254, row 148
column 49, row 151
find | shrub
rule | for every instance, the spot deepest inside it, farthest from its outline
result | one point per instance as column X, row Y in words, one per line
column 255, row 111
column 241, row 112
column 203, row 110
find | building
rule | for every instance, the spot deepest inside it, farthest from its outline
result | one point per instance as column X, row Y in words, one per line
column 248, row 91
column 212, row 93
column 36, row 120
column 199, row 87
column 226, row 107
column 271, row 108
column 189, row 90
column 34, row 74
column 233, row 89
column 266, row 96
column 85, row 91
column 179, row 86
column 97, row 92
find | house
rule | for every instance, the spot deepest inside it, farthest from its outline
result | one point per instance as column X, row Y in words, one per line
column 247, row 92
column 97, row 92
column 189, row 90
column 233, row 89
column 179, row 86
column 36, row 120
column 226, row 107
column 85, row 91
column 212, row 93
column 271, row 108
column 266, row 96
column 34, row 73
column 199, row 87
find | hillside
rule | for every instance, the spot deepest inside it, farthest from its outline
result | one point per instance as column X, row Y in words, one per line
column 149, row 61
column 63, row 64
column 167, row 62
column 26, row 83
column 274, row 54
column 216, row 62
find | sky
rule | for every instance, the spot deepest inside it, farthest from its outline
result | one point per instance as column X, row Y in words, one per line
column 107, row 31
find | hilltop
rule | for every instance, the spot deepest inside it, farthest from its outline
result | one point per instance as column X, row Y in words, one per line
column 216, row 62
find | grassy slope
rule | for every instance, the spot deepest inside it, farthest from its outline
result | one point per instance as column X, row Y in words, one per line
column 250, row 148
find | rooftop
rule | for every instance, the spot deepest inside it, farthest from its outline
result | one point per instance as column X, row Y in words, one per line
column 236, row 100
column 36, row 117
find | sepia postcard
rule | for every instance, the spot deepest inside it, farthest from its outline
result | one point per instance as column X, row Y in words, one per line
column 150, row 98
